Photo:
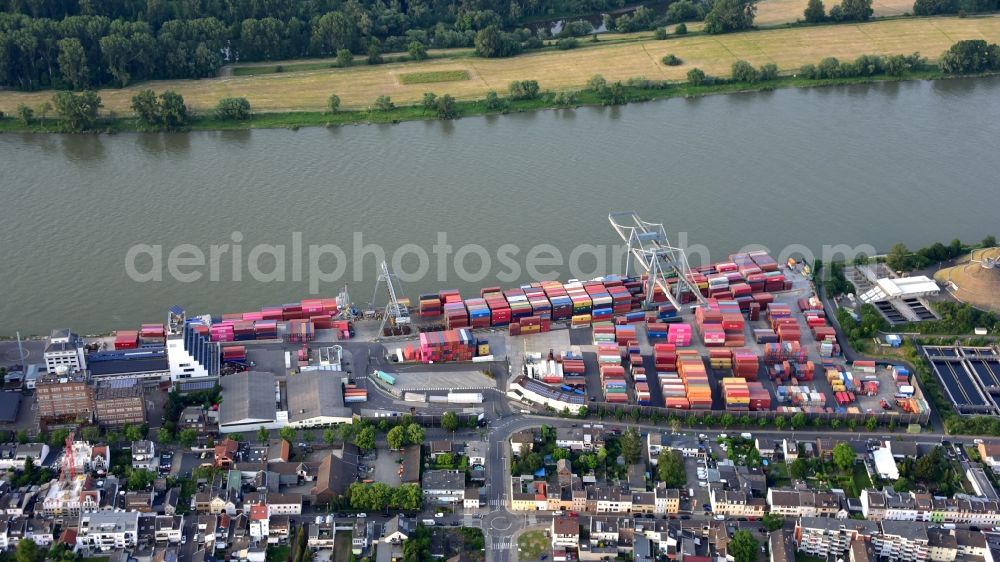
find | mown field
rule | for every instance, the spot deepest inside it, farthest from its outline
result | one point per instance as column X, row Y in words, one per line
column 358, row 87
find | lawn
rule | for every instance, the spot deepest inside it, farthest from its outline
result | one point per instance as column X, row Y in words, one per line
column 532, row 545
column 277, row 553
column 777, row 475
column 774, row 12
column 358, row 86
column 433, row 76
column 342, row 547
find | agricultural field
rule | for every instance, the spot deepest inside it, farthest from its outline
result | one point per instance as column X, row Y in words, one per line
column 358, row 87
column 433, row 77
column 776, row 12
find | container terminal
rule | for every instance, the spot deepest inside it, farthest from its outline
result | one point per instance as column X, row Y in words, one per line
column 746, row 335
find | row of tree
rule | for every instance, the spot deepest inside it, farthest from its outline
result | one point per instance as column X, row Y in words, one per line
column 378, row 496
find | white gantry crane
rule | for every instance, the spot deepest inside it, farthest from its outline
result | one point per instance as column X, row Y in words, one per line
column 650, row 251
column 395, row 312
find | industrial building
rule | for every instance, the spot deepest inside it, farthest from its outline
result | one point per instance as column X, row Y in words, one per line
column 64, row 395
column 120, row 402
column 249, row 402
column 316, row 398
column 976, row 281
column 970, row 376
column 64, row 348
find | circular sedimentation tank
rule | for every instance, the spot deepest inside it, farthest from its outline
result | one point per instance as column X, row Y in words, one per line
column 977, row 280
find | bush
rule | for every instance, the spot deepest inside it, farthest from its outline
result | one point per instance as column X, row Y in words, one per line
column 660, row 34
column 970, row 56
column 233, row 109
column 576, row 28
column 682, row 29
column 533, row 43
column 696, row 77
column 768, row 72
column 567, row 43
column 815, row 12
column 279, row 69
column 495, row 103
column 446, row 108
column 374, row 52
column 344, row 58
column 671, row 60
column 333, row 103
column 596, row 83
column 383, row 103
column 417, row 50
column 523, row 89
column 491, row 42
column 808, row 71
column 828, row 68
column 744, row 72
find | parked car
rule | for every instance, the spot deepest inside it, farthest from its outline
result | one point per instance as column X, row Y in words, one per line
column 438, row 515
column 362, row 515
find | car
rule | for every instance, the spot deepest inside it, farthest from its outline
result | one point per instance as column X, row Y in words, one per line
column 543, row 557
column 362, row 515
column 593, row 399
column 761, row 530
column 438, row 515
column 341, row 515
column 723, row 436
column 685, row 517
column 454, row 523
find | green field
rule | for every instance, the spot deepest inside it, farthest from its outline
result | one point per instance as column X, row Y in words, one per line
column 432, row 77
column 532, row 545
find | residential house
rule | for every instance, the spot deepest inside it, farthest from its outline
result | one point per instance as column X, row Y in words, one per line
column 781, row 546
column 825, row 536
column 40, row 531
column 804, row 503
column 107, row 530
column 397, row 530
column 14, row 456
column 444, row 486
column 321, row 535
column 440, row 447
column 902, row 540
column 168, row 528
column 336, row 473
column 476, row 452
column 990, row 453
column 225, row 454
column 736, row 504
column 942, row 546
column 586, row 438
column 565, row 532
column 972, row 544
column 522, row 441
column 768, row 447
column 472, row 499
column 259, row 522
column 360, row 536
column 668, row 500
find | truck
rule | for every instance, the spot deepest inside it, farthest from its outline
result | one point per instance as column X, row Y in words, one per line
column 386, row 377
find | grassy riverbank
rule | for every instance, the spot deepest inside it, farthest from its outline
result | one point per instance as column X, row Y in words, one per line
column 468, row 108
column 358, row 87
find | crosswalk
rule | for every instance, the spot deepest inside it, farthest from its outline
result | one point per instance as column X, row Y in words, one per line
column 501, row 543
column 496, row 502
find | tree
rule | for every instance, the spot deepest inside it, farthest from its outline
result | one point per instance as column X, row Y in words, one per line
column 744, row 72
column 417, row 50
column 374, row 52
column 799, row 421
column 25, row 113
column 494, row 102
column 743, row 547
column 415, row 434
column 596, row 83
column 164, row 436
column 490, row 42
column 91, row 433
column 970, row 56
column 44, row 109
column 772, row 522
column 779, row 422
column 73, row 63
column 727, row 420
column 396, row 438
column 871, row 424
column 856, row 10
column 146, row 107
column 27, row 551
column 730, row 15
column 670, row 468
column 333, row 103
column 989, row 242
column 671, row 60
column 523, row 89
column 173, row 111
column 383, row 103
column 445, row 107
column 631, row 445
column 799, row 469
column 289, row 433
column 187, row 437
column 681, row 29
column 22, row 436
column 344, row 58
column 843, row 456
column 134, row 432
column 365, row 439
column 696, row 77
column 329, row 436
column 767, row 72
column 140, row 479
column 263, row 434
column 815, row 11
column 233, row 109
column 449, row 421
column 430, row 100
column 79, row 111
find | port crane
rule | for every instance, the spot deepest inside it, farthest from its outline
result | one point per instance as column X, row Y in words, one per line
column 650, row 249
column 395, row 311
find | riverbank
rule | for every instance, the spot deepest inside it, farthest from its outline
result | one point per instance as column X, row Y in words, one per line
column 584, row 98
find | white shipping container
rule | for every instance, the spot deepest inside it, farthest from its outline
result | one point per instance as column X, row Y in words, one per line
column 465, row 398
column 414, row 397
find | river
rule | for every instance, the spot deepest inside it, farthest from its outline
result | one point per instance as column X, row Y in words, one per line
column 870, row 164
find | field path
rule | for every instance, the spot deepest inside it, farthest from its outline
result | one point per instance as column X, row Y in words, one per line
column 789, row 48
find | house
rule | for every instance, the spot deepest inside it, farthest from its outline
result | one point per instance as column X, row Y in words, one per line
column 522, row 441
column 565, row 532
column 902, row 540
column 586, row 438
column 107, row 530
column 144, row 456
column 440, row 447
column 781, row 546
column 336, row 473
column 225, row 454
column 885, row 464
column 259, row 522
column 789, row 450
column 192, row 417
column 768, row 447
column 14, row 456
column 642, row 550
column 279, row 527
column 804, row 503
column 444, row 486
column 736, row 504
column 476, row 451
column 472, row 499
column 902, row 449
column 40, row 531
column 990, row 453
column 168, row 528
column 170, row 500
column 360, row 536
column 942, row 546
column 321, row 535
column 397, row 530
column 668, row 500
column 564, row 471
column 409, row 469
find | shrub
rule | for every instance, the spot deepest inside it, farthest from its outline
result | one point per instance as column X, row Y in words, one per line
column 596, row 83
column 523, row 89
column 383, row 103
column 815, row 11
column 344, row 58
column 279, row 69
column 828, row 68
column 682, row 29
column 533, row 43
column 576, row 28
column 696, row 77
column 970, row 56
column 430, row 100
column 446, row 108
column 417, row 50
column 233, row 109
column 671, row 60
column 660, row 33
column 744, row 72
column 567, row 43
column 333, row 103
column 768, row 72
column 809, row 71
column 495, row 103
column 374, row 53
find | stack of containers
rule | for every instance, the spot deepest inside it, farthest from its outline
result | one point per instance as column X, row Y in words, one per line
column 291, row 311
column 447, row 345
column 234, row 354
column 656, row 331
column 479, row 313
column 732, row 323
column 745, row 363
column 666, row 312
column 787, row 351
column 354, row 394
column 665, row 357
column 152, row 335
column 455, row 313
column 430, row 305
column 713, row 335
column 601, row 302
column 901, row 374
column 642, row 396
column 736, row 394
column 221, row 332
column 763, row 299
column 301, row 331
column 612, row 373
column 253, row 316
column 562, row 306
column 604, row 332
column 718, row 286
column 625, row 334
column 692, row 371
column 540, row 305
column 519, row 305
column 499, row 309
column 774, row 281
column 621, row 299
column 760, row 398
column 243, row 330
column 582, row 305
column 864, row 367
column 679, row 335
column 127, row 339
column 764, row 261
column 344, row 328
column 720, row 359
column 530, row 325
column 765, row 335
column 265, row 329
column 271, row 313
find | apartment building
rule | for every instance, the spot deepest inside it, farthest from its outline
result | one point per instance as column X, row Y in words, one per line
column 733, row 503
column 144, row 456
column 942, row 546
column 119, row 402
column 668, row 500
column 14, row 456
column 893, row 506
column 825, row 536
column 565, row 532
column 586, row 438
column 65, row 395
column 804, row 503
column 902, row 540
column 168, row 528
column 107, row 530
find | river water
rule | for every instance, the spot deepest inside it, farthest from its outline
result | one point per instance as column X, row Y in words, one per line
column 873, row 164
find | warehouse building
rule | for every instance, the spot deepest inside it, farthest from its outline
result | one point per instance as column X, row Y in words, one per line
column 249, row 402
column 316, row 398
column 120, row 402
column 64, row 395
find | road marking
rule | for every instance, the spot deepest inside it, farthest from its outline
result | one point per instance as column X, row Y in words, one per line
column 502, row 543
